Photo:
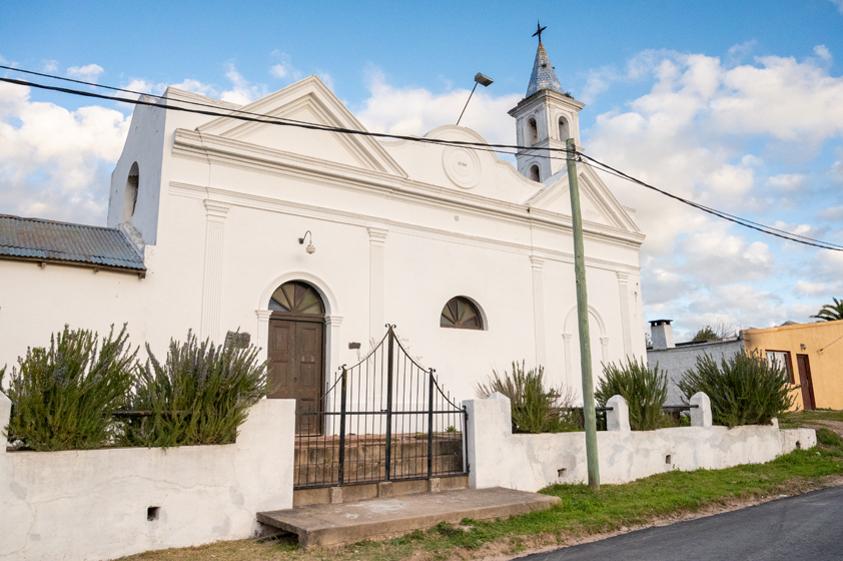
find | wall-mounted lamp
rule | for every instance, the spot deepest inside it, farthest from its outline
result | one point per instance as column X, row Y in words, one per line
column 481, row 79
column 310, row 248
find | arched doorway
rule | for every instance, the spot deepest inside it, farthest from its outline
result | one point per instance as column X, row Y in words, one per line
column 296, row 350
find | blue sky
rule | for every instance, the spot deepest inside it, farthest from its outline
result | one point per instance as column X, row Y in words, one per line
column 736, row 104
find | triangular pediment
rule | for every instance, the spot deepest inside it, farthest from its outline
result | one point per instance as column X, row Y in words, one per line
column 307, row 102
column 597, row 203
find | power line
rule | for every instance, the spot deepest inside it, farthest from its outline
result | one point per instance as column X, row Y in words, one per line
column 488, row 147
column 238, row 113
column 746, row 223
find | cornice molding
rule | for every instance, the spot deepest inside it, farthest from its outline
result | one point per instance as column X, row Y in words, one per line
column 233, row 152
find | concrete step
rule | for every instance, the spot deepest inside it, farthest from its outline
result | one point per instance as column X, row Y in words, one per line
column 364, row 491
column 335, row 524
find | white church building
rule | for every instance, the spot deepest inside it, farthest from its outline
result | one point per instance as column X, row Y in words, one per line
column 311, row 241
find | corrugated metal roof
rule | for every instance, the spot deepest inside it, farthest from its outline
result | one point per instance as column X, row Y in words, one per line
column 37, row 239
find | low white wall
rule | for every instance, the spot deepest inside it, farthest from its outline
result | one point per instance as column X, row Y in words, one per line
column 92, row 504
column 530, row 462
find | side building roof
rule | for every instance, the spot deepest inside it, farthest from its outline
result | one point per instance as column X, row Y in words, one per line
column 49, row 241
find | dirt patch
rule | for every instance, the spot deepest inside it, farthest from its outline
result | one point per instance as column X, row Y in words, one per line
column 836, row 426
column 503, row 551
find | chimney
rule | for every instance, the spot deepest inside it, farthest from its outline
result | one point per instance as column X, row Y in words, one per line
column 661, row 334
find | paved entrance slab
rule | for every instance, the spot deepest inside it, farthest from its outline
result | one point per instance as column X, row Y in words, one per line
column 334, row 524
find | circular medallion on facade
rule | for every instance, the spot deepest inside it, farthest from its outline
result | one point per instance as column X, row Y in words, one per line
column 461, row 166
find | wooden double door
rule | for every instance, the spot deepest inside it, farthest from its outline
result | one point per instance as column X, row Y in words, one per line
column 296, row 353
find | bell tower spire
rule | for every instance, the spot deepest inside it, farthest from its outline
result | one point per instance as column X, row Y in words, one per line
column 544, row 119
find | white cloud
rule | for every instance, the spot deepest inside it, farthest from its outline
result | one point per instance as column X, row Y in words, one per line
column 279, row 70
column 781, row 97
column 839, row 4
column 832, row 213
column 740, row 52
column 597, row 82
column 696, row 133
column 823, row 53
column 810, row 288
column 836, row 170
column 88, row 72
column 49, row 66
column 241, row 91
column 327, row 78
column 55, row 162
column 787, row 181
column 413, row 110
column 284, row 69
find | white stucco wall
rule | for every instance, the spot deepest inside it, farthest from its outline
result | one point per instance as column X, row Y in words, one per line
column 530, row 462
column 92, row 504
column 675, row 361
column 397, row 236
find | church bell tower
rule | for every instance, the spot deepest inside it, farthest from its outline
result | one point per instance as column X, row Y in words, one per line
column 544, row 119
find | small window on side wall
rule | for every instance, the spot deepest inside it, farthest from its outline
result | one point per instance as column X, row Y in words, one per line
column 535, row 174
column 130, row 199
column 782, row 359
column 461, row 313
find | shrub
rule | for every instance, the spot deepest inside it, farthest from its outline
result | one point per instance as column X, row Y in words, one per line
column 199, row 395
column 63, row 396
column 535, row 408
column 744, row 389
column 644, row 388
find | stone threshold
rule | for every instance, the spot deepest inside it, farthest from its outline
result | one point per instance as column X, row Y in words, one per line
column 345, row 523
column 383, row 489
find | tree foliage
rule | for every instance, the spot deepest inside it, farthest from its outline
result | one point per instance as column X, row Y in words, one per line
column 643, row 388
column 536, row 408
column 63, row 396
column 705, row 334
column 744, row 389
column 831, row 312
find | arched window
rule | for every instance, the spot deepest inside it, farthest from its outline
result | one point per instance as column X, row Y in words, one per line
column 535, row 174
column 532, row 131
column 296, row 297
column 564, row 131
column 131, row 195
column 461, row 313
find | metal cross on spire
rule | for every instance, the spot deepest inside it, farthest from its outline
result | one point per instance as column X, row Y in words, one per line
column 539, row 30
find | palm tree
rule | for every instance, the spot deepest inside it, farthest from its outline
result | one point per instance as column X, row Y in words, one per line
column 831, row 312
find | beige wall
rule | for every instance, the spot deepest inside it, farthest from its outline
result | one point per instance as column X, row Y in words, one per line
column 823, row 344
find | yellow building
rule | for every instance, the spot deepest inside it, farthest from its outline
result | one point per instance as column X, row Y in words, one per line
column 813, row 356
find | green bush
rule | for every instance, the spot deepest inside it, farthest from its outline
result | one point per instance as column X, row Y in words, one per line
column 535, row 408
column 199, row 395
column 643, row 388
column 63, row 396
column 744, row 389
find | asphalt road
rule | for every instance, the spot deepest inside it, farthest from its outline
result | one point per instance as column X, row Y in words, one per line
column 798, row 528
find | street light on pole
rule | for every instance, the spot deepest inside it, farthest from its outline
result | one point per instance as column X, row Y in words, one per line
column 481, row 79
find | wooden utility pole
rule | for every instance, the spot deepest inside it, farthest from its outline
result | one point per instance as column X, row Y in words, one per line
column 589, row 413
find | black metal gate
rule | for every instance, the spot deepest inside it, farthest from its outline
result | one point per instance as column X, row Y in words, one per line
column 384, row 419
